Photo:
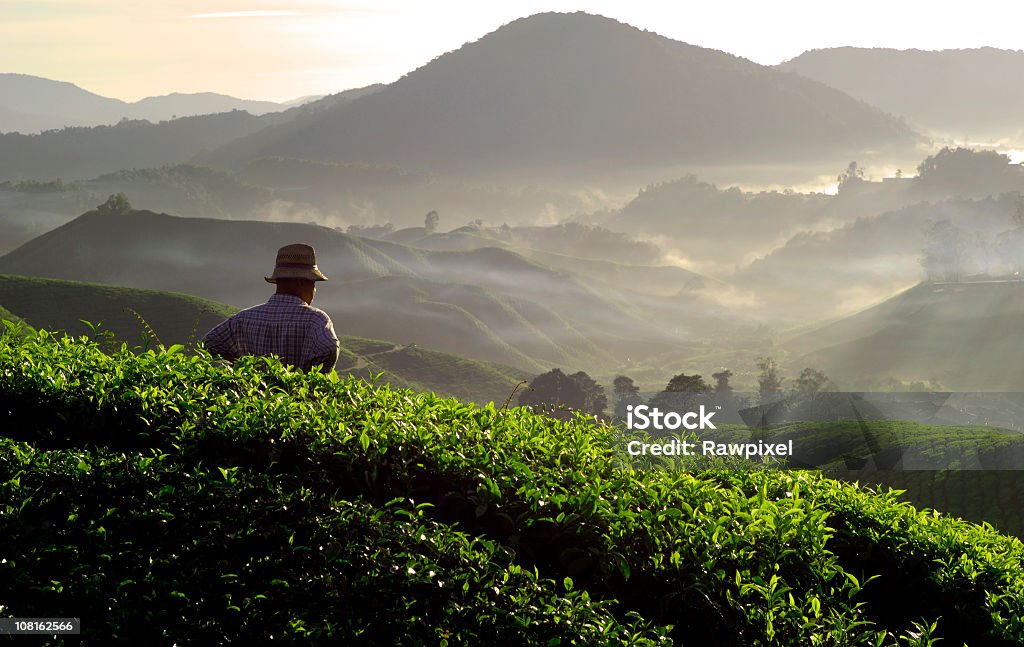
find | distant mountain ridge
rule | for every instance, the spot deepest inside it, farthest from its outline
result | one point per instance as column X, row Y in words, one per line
column 82, row 153
column 958, row 91
column 31, row 104
column 558, row 89
column 78, row 153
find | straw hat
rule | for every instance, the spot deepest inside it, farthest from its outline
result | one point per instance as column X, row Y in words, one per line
column 296, row 261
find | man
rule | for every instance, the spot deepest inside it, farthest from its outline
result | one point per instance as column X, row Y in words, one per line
column 286, row 325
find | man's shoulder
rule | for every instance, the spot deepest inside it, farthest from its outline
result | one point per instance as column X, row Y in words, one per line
column 287, row 307
column 250, row 311
column 319, row 314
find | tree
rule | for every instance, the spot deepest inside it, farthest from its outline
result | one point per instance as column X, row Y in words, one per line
column 594, row 399
column 687, row 384
column 812, row 381
column 371, row 231
column 769, row 383
column 625, row 393
column 558, row 394
column 681, row 393
column 852, row 176
column 116, row 203
column 623, row 385
column 722, row 381
column 964, row 167
column 430, row 221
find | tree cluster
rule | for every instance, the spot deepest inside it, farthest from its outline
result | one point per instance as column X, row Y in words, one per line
column 560, row 395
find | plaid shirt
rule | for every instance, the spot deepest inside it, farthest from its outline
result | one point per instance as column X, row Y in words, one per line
column 285, row 326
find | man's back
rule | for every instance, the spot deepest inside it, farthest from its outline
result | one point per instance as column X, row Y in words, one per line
column 286, row 326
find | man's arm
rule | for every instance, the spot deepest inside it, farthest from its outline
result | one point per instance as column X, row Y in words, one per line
column 220, row 341
column 328, row 347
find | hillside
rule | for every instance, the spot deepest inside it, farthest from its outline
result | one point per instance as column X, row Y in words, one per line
column 154, row 490
column 842, row 270
column 79, row 152
column 953, row 91
column 454, row 300
column 423, row 370
column 719, row 228
column 82, row 153
column 964, row 336
column 585, row 92
column 58, row 305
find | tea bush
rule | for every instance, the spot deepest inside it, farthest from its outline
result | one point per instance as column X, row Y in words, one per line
column 192, row 482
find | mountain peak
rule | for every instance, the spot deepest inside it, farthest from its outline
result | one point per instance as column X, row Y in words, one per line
column 554, row 90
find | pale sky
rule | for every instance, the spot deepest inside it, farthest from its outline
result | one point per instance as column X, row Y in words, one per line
column 276, row 50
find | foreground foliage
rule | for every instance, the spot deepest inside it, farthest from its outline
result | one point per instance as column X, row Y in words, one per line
column 164, row 497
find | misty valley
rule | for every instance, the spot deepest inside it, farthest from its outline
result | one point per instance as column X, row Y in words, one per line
column 682, row 277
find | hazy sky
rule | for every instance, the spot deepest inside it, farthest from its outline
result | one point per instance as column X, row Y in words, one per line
column 263, row 49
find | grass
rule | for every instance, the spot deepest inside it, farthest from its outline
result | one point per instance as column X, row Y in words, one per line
column 171, row 499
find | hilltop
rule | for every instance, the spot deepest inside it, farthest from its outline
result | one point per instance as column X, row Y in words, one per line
column 578, row 91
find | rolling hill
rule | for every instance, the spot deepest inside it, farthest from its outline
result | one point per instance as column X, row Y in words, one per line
column 963, row 336
column 423, row 370
column 575, row 90
column 955, row 91
column 58, row 305
column 448, row 300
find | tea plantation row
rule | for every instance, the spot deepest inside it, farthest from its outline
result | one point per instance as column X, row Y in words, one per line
column 168, row 498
